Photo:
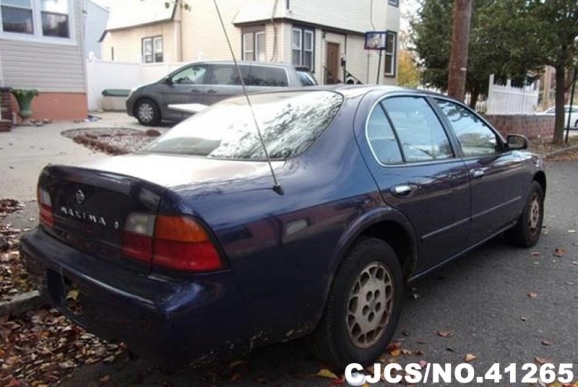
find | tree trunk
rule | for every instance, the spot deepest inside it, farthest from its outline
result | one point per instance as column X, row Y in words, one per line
column 459, row 55
column 560, row 98
column 475, row 94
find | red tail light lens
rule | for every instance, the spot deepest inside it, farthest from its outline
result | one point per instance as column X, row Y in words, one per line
column 45, row 206
column 172, row 242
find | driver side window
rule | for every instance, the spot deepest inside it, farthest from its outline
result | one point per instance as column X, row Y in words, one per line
column 193, row 75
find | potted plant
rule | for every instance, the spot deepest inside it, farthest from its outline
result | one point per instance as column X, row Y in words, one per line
column 24, row 98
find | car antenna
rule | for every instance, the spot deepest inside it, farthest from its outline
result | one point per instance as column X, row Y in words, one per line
column 276, row 186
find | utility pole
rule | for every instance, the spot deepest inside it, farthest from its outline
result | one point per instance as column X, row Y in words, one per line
column 459, row 57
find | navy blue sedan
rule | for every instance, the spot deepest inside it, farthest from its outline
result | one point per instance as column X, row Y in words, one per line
column 189, row 250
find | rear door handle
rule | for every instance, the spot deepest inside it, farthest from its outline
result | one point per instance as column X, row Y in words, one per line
column 195, row 91
column 211, row 91
column 477, row 173
column 401, row 190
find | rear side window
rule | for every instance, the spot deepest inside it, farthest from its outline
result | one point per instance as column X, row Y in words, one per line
column 381, row 138
column 475, row 137
column 223, row 75
column 265, row 76
column 419, row 130
column 306, row 78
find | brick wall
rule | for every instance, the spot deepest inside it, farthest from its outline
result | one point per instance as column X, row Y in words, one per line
column 531, row 126
column 6, row 109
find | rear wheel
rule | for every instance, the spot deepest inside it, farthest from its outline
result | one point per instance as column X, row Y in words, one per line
column 147, row 112
column 363, row 307
column 527, row 231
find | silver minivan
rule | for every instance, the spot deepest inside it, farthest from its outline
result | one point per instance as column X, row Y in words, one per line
column 207, row 83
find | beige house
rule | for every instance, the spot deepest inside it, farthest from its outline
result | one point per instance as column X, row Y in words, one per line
column 327, row 36
column 41, row 47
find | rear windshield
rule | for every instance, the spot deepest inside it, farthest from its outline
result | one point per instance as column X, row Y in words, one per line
column 290, row 122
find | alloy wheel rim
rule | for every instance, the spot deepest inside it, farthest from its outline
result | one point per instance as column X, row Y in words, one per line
column 535, row 214
column 370, row 305
column 145, row 112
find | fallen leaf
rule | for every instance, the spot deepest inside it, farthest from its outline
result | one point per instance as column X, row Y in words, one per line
column 422, row 363
column 236, row 363
column 535, row 254
column 72, row 295
column 405, row 333
column 420, row 341
column 547, row 343
column 445, row 334
column 556, row 384
column 469, row 357
column 236, row 376
column 325, row 373
column 105, row 379
column 532, row 294
column 395, row 352
column 542, row 360
column 559, row 252
column 450, row 349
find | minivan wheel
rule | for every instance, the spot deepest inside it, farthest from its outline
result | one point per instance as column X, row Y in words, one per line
column 147, row 112
column 527, row 231
column 364, row 306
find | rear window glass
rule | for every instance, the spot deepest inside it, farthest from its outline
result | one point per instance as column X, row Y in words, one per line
column 290, row 122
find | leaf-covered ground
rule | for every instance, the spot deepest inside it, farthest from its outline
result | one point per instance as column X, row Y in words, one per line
column 42, row 347
column 544, row 146
column 13, row 277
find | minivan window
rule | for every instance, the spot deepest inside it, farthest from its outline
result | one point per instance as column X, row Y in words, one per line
column 290, row 122
column 306, row 78
column 223, row 75
column 265, row 76
column 193, row 75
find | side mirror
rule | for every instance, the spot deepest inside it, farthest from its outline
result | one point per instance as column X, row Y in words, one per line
column 168, row 81
column 517, row 142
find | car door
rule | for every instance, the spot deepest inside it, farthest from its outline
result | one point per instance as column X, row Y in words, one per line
column 183, row 87
column 222, row 82
column 419, row 174
column 498, row 182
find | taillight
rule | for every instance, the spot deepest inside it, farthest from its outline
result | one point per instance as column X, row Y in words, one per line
column 172, row 242
column 45, row 207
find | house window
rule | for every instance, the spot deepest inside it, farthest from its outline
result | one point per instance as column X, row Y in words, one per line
column 39, row 18
column 390, row 54
column 254, row 44
column 152, row 49
column 302, row 47
column 395, row 3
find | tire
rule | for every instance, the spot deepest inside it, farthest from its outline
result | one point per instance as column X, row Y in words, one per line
column 367, row 289
column 527, row 231
column 147, row 112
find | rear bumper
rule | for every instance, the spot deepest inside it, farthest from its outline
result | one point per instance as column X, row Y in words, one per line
column 164, row 319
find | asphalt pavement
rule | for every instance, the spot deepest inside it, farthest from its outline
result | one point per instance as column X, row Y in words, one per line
column 499, row 303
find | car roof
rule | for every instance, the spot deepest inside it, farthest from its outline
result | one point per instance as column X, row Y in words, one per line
column 243, row 62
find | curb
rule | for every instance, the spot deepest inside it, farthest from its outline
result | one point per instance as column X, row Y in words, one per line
column 558, row 151
column 20, row 303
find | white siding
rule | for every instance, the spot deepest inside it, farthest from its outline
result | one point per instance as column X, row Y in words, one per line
column 48, row 67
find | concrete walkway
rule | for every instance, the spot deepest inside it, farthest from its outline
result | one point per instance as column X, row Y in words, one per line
column 27, row 149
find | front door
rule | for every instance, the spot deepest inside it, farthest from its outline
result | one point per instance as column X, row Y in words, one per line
column 492, row 168
column 419, row 174
column 183, row 87
column 332, row 64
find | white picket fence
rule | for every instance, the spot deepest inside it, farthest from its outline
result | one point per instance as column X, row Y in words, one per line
column 102, row 75
column 507, row 99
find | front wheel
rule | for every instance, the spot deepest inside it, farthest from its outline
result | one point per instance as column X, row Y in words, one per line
column 147, row 112
column 527, row 231
column 364, row 306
